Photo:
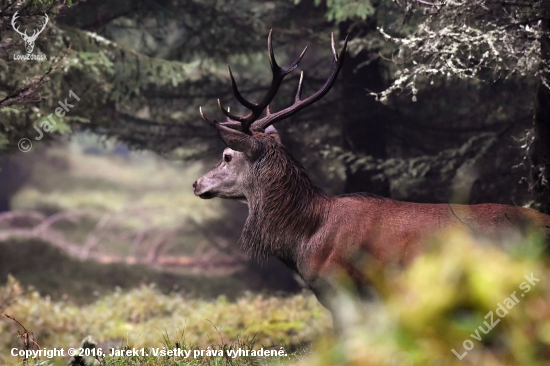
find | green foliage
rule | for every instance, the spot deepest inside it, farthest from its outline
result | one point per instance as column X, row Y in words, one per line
column 446, row 297
column 452, row 293
column 144, row 317
column 117, row 75
column 482, row 39
column 408, row 176
column 21, row 83
column 342, row 10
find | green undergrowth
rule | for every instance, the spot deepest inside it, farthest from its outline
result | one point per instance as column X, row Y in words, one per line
column 463, row 302
column 146, row 318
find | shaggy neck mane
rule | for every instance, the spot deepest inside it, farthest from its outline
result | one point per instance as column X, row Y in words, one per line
column 285, row 209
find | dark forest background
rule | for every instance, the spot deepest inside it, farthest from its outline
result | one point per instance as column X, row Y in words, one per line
column 101, row 234
column 436, row 102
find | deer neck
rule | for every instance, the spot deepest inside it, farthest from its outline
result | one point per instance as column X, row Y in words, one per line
column 285, row 210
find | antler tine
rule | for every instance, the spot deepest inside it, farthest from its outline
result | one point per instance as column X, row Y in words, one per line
column 299, row 91
column 278, row 73
column 337, row 61
column 274, row 66
column 228, row 114
column 231, row 124
column 256, row 109
column 334, row 54
column 236, row 93
column 208, row 120
column 46, row 19
column 15, row 17
column 36, row 33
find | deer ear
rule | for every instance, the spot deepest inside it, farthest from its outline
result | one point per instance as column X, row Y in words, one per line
column 238, row 141
column 270, row 130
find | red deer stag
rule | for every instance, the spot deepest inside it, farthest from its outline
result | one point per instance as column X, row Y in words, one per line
column 312, row 232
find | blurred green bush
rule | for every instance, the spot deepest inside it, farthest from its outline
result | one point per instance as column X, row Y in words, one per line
column 490, row 305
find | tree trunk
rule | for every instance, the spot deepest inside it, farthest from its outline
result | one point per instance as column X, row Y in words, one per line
column 15, row 170
column 364, row 129
column 540, row 149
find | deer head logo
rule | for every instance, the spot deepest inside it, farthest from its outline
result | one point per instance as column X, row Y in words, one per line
column 29, row 40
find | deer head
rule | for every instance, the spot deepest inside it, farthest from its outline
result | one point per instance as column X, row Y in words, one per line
column 29, row 40
column 252, row 140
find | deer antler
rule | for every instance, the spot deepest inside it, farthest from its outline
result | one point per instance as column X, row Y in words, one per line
column 250, row 122
column 24, row 34
column 15, row 16
column 35, row 34
column 271, row 118
column 243, row 123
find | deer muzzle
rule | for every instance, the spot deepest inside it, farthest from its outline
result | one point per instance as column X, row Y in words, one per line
column 199, row 190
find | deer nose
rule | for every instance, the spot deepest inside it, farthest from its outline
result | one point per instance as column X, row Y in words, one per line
column 195, row 185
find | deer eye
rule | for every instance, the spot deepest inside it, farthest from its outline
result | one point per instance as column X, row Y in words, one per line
column 227, row 158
